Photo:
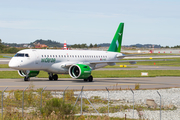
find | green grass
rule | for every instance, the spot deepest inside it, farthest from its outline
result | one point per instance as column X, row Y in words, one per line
column 4, row 66
column 103, row 74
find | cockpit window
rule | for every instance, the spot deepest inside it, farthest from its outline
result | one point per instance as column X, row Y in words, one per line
column 21, row 55
column 26, row 55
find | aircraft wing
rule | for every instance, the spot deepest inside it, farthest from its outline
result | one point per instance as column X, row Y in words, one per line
column 68, row 64
column 122, row 61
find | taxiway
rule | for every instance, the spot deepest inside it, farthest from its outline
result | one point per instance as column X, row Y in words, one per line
column 99, row 83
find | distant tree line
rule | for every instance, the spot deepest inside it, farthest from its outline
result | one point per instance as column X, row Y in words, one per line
column 83, row 46
column 6, row 49
column 49, row 43
column 177, row 46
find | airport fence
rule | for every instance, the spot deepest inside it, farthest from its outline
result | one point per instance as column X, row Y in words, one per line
column 107, row 102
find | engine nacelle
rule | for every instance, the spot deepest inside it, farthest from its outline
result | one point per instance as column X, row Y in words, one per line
column 80, row 71
column 25, row 73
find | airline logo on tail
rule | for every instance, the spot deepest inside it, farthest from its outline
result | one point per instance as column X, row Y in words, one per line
column 117, row 40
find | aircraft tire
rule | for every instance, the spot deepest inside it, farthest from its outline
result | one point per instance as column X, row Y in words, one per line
column 55, row 77
column 90, row 78
column 50, row 78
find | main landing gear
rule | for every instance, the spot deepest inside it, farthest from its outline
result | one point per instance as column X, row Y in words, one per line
column 26, row 78
column 90, row 79
column 53, row 77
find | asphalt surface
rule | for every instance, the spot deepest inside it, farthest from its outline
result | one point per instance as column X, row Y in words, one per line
column 4, row 60
column 98, row 83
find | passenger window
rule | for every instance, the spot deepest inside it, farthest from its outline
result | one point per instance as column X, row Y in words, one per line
column 44, row 55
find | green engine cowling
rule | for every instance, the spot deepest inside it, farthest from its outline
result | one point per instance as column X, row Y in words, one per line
column 25, row 73
column 80, row 71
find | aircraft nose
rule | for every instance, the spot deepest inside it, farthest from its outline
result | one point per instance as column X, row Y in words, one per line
column 13, row 64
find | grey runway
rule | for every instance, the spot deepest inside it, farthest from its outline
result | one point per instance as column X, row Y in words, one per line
column 99, row 83
column 4, row 60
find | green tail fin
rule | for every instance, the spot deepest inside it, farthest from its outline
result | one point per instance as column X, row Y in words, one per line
column 117, row 40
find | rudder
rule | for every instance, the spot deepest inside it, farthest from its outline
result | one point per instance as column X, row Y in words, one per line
column 117, row 40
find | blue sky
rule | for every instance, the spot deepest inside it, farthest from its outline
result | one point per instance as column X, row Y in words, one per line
column 90, row 21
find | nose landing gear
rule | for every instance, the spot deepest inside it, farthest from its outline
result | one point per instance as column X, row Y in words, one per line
column 26, row 78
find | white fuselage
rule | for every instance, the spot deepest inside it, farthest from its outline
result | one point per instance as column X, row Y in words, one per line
column 58, row 61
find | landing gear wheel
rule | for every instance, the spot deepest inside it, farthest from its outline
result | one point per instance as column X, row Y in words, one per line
column 26, row 79
column 55, row 77
column 50, row 78
column 90, row 78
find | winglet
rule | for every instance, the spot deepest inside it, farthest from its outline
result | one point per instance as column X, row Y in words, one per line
column 117, row 40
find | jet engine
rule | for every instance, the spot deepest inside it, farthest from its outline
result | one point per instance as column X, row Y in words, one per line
column 80, row 71
column 27, row 73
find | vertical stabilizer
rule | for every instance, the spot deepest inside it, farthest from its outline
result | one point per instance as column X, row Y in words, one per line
column 117, row 40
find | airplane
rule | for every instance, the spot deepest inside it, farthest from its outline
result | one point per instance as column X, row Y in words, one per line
column 77, row 63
